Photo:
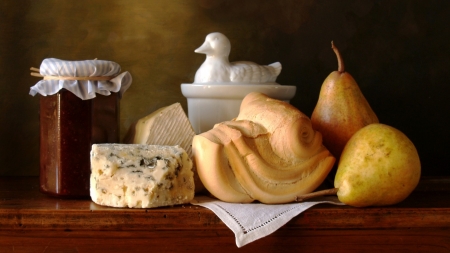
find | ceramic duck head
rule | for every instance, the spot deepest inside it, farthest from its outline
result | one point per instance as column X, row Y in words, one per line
column 215, row 45
column 217, row 69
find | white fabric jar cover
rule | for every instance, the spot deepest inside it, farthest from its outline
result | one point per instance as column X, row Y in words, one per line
column 84, row 89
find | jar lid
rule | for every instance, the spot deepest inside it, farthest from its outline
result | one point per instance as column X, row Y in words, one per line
column 82, row 78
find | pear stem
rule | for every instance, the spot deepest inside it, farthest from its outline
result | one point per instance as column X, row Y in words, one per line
column 339, row 58
column 316, row 194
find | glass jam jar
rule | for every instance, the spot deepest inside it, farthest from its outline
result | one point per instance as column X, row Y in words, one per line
column 68, row 128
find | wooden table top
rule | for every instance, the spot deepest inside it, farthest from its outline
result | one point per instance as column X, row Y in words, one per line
column 24, row 209
column 23, row 206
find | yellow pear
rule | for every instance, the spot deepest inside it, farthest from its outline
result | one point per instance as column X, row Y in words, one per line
column 379, row 166
column 341, row 109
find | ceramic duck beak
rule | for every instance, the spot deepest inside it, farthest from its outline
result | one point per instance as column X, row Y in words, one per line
column 204, row 49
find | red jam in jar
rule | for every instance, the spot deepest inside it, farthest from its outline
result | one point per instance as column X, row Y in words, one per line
column 68, row 128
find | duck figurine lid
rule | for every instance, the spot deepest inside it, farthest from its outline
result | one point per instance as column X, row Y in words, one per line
column 220, row 85
column 218, row 69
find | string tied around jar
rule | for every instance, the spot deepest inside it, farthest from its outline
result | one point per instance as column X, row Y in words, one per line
column 36, row 72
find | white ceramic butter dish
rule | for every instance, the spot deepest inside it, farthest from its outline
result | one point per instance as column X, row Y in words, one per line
column 220, row 85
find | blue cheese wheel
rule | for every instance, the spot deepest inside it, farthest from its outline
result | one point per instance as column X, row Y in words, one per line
column 140, row 176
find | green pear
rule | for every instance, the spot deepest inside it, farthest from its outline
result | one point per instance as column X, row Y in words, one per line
column 341, row 109
column 379, row 166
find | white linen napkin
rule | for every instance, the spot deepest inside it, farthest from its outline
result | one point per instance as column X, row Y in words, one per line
column 253, row 221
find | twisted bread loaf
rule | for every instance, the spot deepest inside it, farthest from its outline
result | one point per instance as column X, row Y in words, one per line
column 269, row 153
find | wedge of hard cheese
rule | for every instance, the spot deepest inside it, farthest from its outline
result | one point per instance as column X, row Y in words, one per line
column 166, row 126
column 140, row 176
column 169, row 126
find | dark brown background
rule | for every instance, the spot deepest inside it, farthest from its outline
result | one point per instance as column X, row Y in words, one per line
column 398, row 52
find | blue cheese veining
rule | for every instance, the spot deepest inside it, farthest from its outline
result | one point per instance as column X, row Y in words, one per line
column 140, row 176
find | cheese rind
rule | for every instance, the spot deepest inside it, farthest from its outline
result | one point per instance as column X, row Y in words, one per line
column 169, row 126
column 140, row 176
column 166, row 126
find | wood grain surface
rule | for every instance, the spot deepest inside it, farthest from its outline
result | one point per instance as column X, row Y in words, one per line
column 33, row 222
